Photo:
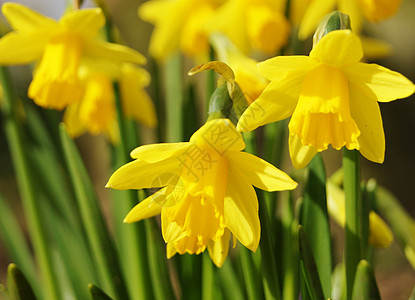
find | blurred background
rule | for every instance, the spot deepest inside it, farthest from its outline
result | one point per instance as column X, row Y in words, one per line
column 395, row 276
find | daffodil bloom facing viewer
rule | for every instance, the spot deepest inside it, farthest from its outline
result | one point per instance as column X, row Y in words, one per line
column 59, row 47
column 331, row 98
column 206, row 192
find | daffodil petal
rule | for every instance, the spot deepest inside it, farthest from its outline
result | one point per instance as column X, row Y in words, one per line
column 374, row 80
column 22, row 18
column 157, row 152
column 170, row 230
column 241, row 210
column 279, row 67
column 170, row 250
column 221, row 135
column 218, row 250
column 260, row 173
column 166, row 35
column 111, row 51
column 151, row 11
column 366, row 113
column 22, row 48
column 354, row 11
column 277, row 102
column 85, row 21
column 139, row 174
column 315, row 12
column 71, row 119
column 339, row 47
column 300, row 155
column 143, row 210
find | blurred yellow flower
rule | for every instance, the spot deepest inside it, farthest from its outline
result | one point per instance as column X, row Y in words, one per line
column 60, row 46
column 206, row 190
column 96, row 113
column 136, row 103
column 371, row 10
column 245, row 68
column 252, row 25
column 179, row 25
column 331, row 96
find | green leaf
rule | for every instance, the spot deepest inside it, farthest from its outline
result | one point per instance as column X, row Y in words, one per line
column 157, row 262
column 315, row 221
column 97, row 294
column 27, row 187
column 365, row 287
column 290, row 255
column 17, row 285
column 100, row 242
column 231, row 286
column 14, row 240
column 308, row 267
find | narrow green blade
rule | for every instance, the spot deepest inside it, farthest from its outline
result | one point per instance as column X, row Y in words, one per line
column 17, row 285
column 100, row 242
column 97, row 294
column 365, row 287
column 13, row 238
column 315, row 220
column 309, row 267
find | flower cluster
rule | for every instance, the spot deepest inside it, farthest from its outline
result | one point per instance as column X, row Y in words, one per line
column 74, row 67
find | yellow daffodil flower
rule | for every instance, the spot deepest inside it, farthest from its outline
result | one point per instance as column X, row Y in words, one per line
column 371, row 10
column 96, row 112
column 252, row 25
column 206, row 190
column 179, row 25
column 331, row 96
column 59, row 46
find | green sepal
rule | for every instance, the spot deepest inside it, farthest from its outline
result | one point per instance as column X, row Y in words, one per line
column 220, row 103
column 17, row 285
column 332, row 21
column 223, row 105
column 365, row 287
column 96, row 293
column 308, row 266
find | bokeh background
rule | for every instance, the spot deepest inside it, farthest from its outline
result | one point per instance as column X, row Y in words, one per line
column 395, row 276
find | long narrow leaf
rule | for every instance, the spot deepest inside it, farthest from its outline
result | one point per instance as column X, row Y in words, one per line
column 13, row 238
column 308, row 267
column 315, row 220
column 365, row 287
column 17, row 285
column 100, row 243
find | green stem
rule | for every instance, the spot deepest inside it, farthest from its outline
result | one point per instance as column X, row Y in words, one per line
column 352, row 254
column 210, row 82
column 26, row 186
column 174, row 98
column 208, row 278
